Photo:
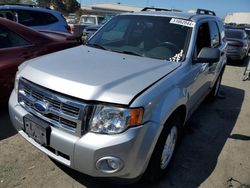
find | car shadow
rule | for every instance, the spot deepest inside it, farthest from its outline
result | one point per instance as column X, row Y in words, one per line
column 205, row 136
column 6, row 128
column 196, row 157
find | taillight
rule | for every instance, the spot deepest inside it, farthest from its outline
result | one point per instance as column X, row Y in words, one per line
column 238, row 44
column 72, row 29
column 68, row 28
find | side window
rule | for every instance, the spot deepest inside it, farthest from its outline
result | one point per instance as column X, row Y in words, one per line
column 203, row 38
column 245, row 35
column 222, row 30
column 100, row 19
column 215, row 34
column 8, row 14
column 35, row 18
column 10, row 39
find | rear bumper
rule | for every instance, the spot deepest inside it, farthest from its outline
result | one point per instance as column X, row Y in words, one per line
column 236, row 54
column 133, row 147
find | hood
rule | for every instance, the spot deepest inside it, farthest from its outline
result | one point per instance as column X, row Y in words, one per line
column 94, row 74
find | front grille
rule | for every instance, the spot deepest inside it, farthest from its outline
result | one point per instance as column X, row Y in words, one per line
column 59, row 110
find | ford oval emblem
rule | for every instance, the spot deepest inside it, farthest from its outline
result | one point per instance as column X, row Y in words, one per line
column 41, row 107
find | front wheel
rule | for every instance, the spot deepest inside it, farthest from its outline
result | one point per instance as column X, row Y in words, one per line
column 164, row 150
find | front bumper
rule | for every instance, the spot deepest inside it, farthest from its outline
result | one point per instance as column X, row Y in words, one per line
column 133, row 147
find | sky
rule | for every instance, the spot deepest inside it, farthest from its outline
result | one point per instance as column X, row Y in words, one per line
column 221, row 7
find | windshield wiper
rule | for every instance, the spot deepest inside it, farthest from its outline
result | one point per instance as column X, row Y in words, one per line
column 128, row 52
column 95, row 45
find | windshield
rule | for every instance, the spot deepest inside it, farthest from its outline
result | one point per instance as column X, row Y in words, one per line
column 148, row 36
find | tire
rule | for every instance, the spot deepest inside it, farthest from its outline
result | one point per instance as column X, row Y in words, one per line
column 164, row 150
column 215, row 90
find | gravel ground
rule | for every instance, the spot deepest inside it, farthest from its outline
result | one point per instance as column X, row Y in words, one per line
column 215, row 149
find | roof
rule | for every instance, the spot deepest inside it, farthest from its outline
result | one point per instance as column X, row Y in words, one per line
column 121, row 8
column 183, row 15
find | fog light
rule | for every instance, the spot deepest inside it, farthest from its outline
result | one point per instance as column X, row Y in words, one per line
column 109, row 164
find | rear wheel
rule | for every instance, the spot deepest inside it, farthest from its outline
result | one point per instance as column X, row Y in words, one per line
column 164, row 150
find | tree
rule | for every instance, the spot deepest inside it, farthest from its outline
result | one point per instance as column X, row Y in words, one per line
column 64, row 6
column 71, row 5
column 58, row 5
column 31, row 2
column 27, row 2
column 43, row 3
column 10, row 1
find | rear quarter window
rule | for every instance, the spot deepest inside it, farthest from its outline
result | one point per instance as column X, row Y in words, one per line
column 35, row 18
column 234, row 34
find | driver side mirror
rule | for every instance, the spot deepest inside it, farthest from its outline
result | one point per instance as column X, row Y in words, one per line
column 208, row 55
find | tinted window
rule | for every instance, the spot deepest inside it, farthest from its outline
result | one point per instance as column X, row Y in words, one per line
column 10, row 39
column 215, row 34
column 148, row 36
column 100, row 19
column 35, row 18
column 234, row 34
column 8, row 14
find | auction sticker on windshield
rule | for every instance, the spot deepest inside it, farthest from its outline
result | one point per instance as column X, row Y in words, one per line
column 182, row 22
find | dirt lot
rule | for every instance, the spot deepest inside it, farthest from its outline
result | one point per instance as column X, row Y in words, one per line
column 215, row 150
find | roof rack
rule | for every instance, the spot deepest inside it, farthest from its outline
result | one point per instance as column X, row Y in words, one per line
column 160, row 9
column 204, row 11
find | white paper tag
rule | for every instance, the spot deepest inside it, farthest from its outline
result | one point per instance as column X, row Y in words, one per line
column 182, row 22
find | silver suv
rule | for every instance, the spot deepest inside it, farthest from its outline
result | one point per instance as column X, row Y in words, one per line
column 116, row 107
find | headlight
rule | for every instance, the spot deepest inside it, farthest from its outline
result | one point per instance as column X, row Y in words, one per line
column 114, row 120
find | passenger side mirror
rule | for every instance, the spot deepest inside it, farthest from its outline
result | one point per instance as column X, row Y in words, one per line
column 208, row 55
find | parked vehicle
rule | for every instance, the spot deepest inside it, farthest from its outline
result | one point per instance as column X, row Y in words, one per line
column 245, row 27
column 238, row 44
column 71, row 19
column 116, row 106
column 85, row 20
column 19, row 43
column 35, row 17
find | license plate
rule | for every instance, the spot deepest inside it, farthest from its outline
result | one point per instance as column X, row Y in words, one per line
column 37, row 129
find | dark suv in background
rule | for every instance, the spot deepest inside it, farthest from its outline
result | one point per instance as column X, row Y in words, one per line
column 35, row 17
